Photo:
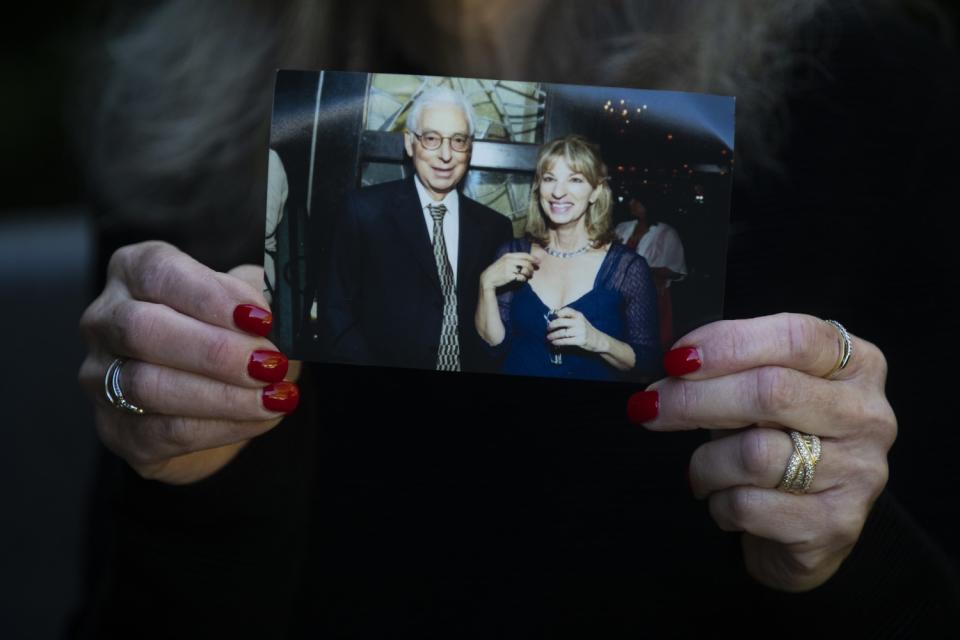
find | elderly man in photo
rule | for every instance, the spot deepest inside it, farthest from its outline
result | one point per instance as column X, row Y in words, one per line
column 403, row 277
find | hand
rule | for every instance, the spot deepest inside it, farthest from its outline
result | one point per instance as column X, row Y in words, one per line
column 201, row 379
column 510, row 267
column 572, row 329
column 753, row 381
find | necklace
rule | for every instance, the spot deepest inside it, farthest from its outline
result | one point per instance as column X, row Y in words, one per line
column 567, row 254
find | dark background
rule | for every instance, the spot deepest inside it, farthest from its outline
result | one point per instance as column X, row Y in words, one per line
column 49, row 249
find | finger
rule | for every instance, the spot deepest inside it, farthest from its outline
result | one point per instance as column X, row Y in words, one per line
column 158, row 334
column 756, row 457
column 564, row 323
column 150, row 438
column 769, row 396
column 526, row 271
column 802, row 520
column 567, row 312
column 162, row 390
column 523, row 258
column 766, row 513
column 796, row 341
column 534, row 259
column 158, row 272
column 560, row 334
column 253, row 276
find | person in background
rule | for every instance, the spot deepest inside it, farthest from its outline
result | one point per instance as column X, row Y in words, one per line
column 660, row 245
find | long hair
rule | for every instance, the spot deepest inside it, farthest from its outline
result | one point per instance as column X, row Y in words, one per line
column 583, row 157
column 179, row 99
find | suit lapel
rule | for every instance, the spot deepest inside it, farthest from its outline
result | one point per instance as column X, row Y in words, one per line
column 470, row 241
column 408, row 217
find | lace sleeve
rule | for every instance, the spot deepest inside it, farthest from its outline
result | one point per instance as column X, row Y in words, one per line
column 632, row 278
column 505, row 298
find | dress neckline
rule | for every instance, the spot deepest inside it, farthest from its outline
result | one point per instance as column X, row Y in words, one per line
column 596, row 280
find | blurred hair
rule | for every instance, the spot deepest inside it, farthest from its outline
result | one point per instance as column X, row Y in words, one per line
column 583, row 157
column 180, row 98
column 175, row 113
column 437, row 96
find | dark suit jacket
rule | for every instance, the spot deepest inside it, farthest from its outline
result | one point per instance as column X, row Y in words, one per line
column 382, row 301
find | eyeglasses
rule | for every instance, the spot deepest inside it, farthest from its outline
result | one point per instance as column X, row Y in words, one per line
column 432, row 140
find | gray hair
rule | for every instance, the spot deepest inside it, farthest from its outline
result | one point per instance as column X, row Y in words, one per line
column 174, row 113
column 750, row 49
column 180, row 99
column 437, row 96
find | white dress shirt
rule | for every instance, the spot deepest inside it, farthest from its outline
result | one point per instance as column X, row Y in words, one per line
column 451, row 221
column 660, row 246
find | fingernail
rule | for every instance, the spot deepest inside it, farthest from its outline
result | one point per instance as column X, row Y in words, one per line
column 678, row 362
column 281, row 396
column 643, row 406
column 269, row 366
column 253, row 319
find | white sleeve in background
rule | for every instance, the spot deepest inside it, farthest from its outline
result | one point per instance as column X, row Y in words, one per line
column 624, row 229
column 669, row 250
column 277, row 192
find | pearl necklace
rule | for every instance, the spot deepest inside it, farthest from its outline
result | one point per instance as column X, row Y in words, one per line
column 567, row 254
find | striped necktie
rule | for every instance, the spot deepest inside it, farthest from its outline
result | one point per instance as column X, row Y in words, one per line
column 448, row 354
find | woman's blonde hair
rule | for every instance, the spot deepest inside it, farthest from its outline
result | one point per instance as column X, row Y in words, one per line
column 583, row 157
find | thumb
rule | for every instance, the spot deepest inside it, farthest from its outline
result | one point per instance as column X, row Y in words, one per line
column 252, row 275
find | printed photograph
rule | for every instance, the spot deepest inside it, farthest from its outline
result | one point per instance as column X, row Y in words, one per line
column 491, row 226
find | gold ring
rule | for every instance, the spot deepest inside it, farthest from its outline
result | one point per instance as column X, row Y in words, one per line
column 798, row 476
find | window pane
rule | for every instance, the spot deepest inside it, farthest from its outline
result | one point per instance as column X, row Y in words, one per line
column 511, row 111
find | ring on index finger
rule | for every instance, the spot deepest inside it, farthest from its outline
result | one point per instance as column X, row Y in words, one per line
column 112, row 390
column 846, row 348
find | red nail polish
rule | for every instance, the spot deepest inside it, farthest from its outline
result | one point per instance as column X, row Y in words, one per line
column 269, row 366
column 643, row 406
column 281, row 396
column 253, row 319
column 682, row 361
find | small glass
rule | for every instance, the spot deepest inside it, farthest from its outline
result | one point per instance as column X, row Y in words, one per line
column 555, row 356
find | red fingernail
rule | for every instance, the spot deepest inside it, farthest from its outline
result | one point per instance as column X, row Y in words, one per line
column 682, row 361
column 643, row 406
column 281, row 396
column 269, row 366
column 253, row 319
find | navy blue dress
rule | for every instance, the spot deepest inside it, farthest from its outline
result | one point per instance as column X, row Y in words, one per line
column 622, row 304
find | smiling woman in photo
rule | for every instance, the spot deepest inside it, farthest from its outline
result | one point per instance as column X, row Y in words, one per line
column 566, row 301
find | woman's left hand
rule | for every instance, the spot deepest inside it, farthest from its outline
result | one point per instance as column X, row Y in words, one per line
column 753, row 381
column 572, row 329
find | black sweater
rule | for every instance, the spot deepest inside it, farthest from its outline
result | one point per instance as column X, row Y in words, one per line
column 525, row 508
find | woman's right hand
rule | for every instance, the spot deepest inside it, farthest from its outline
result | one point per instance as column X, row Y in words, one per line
column 510, row 267
column 196, row 362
